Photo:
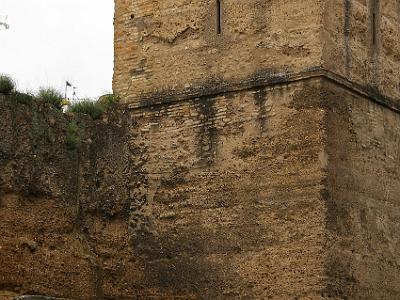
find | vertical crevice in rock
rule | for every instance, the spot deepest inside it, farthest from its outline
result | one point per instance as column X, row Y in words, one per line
column 14, row 143
column 97, row 264
column 78, row 201
column 137, row 188
column 35, row 137
column 98, row 279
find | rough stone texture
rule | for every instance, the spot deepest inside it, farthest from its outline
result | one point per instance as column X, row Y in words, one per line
column 259, row 163
column 51, row 196
column 171, row 47
column 363, row 188
column 225, row 202
column 361, row 41
column 267, row 193
column 235, row 208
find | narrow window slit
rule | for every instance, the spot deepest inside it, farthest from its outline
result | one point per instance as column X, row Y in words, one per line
column 374, row 28
column 219, row 29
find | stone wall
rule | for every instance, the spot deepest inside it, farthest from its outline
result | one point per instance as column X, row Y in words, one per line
column 361, row 41
column 168, row 48
column 209, row 198
column 363, row 188
column 258, row 163
column 281, row 192
column 52, row 196
column 234, row 207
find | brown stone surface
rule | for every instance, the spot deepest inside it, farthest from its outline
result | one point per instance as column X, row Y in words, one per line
column 227, row 203
column 363, row 188
column 259, row 163
column 234, row 207
column 287, row 192
column 51, row 196
column 172, row 47
column 361, row 41
column 168, row 49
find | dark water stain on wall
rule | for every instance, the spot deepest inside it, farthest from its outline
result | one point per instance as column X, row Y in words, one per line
column 260, row 99
column 263, row 15
column 374, row 19
column 208, row 133
column 347, row 13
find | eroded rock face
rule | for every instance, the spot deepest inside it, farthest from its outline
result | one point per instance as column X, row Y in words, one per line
column 51, row 197
column 232, row 196
column 201, row 199
column 256, row 163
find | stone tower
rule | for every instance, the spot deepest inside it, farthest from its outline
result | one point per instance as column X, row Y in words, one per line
column 256, row 157
column 272, row 136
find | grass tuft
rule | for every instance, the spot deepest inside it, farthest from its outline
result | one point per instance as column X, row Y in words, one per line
column 52, row 96
column 7, row 84
column 87, row 107
column 22, row 98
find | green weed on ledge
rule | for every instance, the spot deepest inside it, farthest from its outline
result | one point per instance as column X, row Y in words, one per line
column 87, row 107
column 52, row 96
column 23, row 98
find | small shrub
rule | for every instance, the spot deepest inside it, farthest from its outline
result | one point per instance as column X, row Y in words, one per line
column 52, row 96
column 72, row 138
column 7, row 85
column 108, row 100
column 87, row 107
column 22, row 98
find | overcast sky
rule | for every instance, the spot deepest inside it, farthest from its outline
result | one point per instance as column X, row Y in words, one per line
column 51, row 41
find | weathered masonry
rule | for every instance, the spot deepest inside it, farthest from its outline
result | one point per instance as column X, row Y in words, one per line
column 258, row 157
column 273, row 137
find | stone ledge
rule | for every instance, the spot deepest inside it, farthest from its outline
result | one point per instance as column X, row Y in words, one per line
column 265, row 79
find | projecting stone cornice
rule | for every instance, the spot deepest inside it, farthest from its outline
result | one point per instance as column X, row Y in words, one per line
column 214, row 88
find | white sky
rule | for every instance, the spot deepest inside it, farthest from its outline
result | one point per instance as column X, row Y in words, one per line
column 51, row 41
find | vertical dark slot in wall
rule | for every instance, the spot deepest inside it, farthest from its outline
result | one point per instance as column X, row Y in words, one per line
column 219, row 29
column 347, row 14
column 374, row 41
column 374, row 23
column 374, row 28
